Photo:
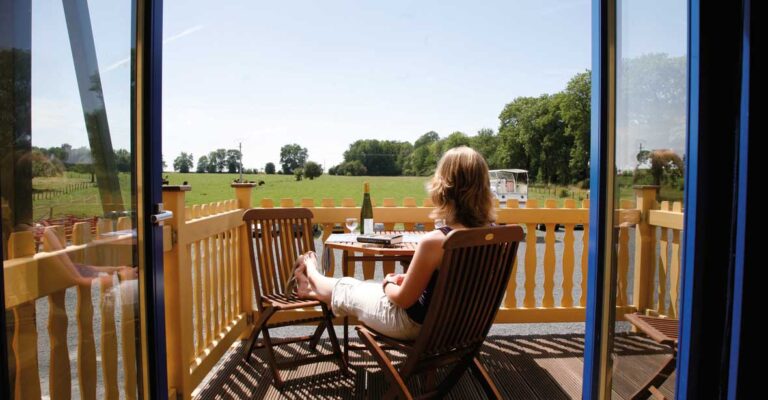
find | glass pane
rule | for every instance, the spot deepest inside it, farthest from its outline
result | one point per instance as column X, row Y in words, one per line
column 68, row 198
column 651, row 90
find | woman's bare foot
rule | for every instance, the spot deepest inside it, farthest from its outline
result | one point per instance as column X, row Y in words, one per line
column 303, row 286
column 310, row 262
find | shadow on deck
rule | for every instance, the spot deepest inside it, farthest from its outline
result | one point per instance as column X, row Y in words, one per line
column 523, row 367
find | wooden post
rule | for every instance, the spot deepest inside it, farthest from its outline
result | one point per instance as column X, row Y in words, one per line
column 663, row 263
column 510, row 300
column 584, row 258
column 622, row 261
column 645, row 248
column 529, row 301
column 243, row 193
column 674, row 281
column 86, row 343
column 59, row 383
column 548, row 284
column 24, row 343
column 178, row 295
column 568, row 259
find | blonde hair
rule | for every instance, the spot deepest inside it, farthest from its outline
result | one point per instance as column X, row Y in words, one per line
column 461, row 189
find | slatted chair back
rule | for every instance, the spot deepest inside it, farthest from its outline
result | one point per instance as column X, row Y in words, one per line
column 278, row 237
column 473, row 276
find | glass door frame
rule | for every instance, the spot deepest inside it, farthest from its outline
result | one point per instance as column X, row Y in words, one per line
column 147, row 103
column 602, row 154
column 715, row 159
column 742, row 376
column 5, row 385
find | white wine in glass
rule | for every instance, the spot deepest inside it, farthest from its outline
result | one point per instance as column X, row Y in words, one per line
column 351, row 224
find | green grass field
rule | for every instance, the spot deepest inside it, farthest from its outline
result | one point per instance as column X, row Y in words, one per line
column 208, row 188
column 80, row 203
column 214, row 187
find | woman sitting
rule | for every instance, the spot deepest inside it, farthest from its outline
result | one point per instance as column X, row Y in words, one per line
column 397, row 307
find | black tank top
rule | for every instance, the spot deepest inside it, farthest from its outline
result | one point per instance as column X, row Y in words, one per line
column 418, row 311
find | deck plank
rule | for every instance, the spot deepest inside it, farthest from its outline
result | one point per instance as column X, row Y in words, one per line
column 523, row 367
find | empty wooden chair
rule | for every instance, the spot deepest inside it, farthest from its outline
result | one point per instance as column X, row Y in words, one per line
column 664, row 331
column 278, row 237
column 473, row 278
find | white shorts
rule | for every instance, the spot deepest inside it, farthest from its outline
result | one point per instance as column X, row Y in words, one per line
column 367, row 301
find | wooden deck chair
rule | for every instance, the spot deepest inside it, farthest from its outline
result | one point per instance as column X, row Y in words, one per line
column 278, row 237
column 664, row 331
column 472, row 280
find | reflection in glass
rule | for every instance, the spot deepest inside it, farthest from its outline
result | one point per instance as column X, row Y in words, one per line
column 651, row 96
column 67, row 196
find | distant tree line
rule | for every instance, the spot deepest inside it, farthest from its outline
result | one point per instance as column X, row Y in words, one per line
column 54, row 161
column 293, row 160
column 548, row 135
column 217, row 161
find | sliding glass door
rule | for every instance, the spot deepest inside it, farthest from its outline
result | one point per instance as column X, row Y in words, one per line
column 72, row 143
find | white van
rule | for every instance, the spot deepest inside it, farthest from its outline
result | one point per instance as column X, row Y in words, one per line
column 509, row 184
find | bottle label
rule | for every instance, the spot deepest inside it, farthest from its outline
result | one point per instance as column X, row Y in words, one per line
column 368, row 225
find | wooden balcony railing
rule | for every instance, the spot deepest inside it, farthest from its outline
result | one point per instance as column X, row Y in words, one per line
column 30, row 276
column 209, row 294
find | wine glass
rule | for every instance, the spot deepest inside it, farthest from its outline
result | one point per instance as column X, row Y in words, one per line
column 439, row 223
column 351, row 224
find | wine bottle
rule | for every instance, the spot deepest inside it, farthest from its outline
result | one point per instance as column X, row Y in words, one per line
column 366, row 211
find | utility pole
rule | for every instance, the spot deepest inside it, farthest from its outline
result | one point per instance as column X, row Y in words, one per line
column 241, row 162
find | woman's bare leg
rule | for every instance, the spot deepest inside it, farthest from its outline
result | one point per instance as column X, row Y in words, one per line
column 313, row 284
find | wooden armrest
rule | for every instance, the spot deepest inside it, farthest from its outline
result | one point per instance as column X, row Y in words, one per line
column 661, row 330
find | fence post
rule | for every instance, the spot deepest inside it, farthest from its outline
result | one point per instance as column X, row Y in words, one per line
column 645, row 248
column 178, row 295
column 243, row 193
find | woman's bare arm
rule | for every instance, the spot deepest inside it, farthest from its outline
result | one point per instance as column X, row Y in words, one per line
column 427, row 258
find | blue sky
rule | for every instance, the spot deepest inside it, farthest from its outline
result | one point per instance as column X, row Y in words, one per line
column 321, row 74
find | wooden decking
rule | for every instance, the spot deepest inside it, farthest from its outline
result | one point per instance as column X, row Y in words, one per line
column 524, row 367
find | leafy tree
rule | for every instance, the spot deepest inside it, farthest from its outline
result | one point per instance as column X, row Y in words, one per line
column 456, row 139
column 292, row 156
column 533, row 137
column 211, row 166
column 212, row 160
column 217, row 160
column 66, row 148
column 269, row 169
column 380, row 157
column 349, row 168
column 233, row 160
column 486, row 143
column 183, row 163
column 662, row 162
column 575, row 108
column 202, row 164
column 426, row 139
column 423, row 158
column 298, row 173
column 60, row 153
column 123, row 160
column 82, row 155
column 221, row 160
column 312, row 170
column 45, row 166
